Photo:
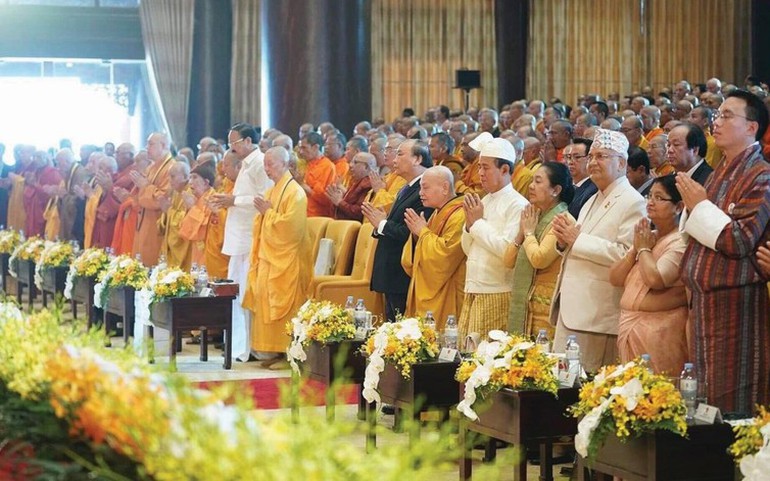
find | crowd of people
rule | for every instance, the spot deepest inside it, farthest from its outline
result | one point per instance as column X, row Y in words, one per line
column 637, row 224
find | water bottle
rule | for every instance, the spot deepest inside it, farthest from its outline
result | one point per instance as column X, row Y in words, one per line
column 203, row 279
column 543, row 341
column 688, row 386
column 646, row 363
column 138, row 257
column 450, row 332
column 430, row 322
column 350, row 308
column 572, row 355
column 194, row 274
column 359, row 315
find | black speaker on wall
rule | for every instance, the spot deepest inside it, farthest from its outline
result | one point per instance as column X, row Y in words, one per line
column 468, row 79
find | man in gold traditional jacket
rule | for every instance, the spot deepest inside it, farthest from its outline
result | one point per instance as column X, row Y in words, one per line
column 433, row 255
column 279, row 275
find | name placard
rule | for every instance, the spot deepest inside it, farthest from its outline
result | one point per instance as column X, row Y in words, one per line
column 708, row 414
column 447, row 354
column 361, row 333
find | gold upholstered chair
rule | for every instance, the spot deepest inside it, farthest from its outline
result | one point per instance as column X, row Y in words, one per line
column 316, row 226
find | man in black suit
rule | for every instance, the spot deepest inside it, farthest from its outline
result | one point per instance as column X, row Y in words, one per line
column 576, row 157
column 388, row 277
column 638, row 170
column 687, row 147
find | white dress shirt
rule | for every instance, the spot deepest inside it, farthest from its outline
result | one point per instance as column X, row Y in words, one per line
column 487, row 240
column 252, row 181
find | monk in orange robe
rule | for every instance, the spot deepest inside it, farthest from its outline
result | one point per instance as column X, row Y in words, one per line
column 198, row 220
column 123, row 203
column 470, row 181
column 151, row 188
column 319, row 175
column 109, row 205
column 17, row 214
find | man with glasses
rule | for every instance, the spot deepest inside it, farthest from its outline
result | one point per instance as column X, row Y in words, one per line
column 686, row 150
column 385, row 188
column 585, row 303
column 576, row 156
column 726, row 222
column 631, row 127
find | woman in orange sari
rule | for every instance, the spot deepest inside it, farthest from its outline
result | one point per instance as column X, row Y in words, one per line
column 653, row 317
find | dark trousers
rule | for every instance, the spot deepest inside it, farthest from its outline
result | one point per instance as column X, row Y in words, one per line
column 394, row 304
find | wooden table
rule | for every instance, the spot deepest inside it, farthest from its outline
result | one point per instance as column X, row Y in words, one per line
column 53, row 282
column 25, row 277
column 4, row 270
column 83, row 293
column 521, row 418
column 432, row 385
column 120, row 302
column 335, row 362
column 179, row 314
column 663, row 455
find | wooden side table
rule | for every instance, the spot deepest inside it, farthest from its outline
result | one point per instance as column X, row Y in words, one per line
column 120, row 302
column 179, row 314
column 520, row 418
column 25, row 277
column 663, row 455
column 83, row 293
column 336, row 361
column 431, row 384
column 53, row 282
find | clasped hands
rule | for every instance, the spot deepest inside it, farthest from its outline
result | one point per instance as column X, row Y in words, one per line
column 565, row 229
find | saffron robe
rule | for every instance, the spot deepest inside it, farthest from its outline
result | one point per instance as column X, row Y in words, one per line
column 384, row 198
column 36, row 200
column 177, row 249
column 204, row 228
column 90, row 216
column 125, row 227
column 17, row 214
column 664, row 169
column 713, row 154
column 729, row 309
column 278, row 278
column 436, row 263
column 342, row 170
column 319, row 175
column 148, row 239
column 455, row 164
column 653, row 133
column 523, row 175
column 470, row 181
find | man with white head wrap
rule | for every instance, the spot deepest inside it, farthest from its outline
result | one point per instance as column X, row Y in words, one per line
column 585, row 304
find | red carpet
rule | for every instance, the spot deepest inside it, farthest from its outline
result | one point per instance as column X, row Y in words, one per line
column 266, row 393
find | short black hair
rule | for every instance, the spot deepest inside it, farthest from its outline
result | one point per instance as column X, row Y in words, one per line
column 695, row 138
column 420, row 149
column 638, row 157
column 446, row 140
column 755, row 110
column 340, row 138
column 587, row 142
column 668, row 182
column 444, row 111
column 558, row 174
column 602, row 107
column 314, row 138
column 246, row 130
column 407, row 112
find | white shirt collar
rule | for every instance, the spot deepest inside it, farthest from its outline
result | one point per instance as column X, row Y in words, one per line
column 502, row 192
column 582, row 181
column 694, row 168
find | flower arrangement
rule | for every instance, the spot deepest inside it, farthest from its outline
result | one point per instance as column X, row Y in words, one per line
column 317, row 321
column 90, row 263
column 751, row 448
column 505, row 361
column 402, row 343
column 28, row 250
column 122, row 271
column 170, row 282
column 9, row 240
column 626, row 400
column 54, row 254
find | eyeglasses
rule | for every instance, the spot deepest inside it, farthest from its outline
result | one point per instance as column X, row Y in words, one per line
column 728, row 114
column 231, row 144
column 569, row 157
column 656, row 199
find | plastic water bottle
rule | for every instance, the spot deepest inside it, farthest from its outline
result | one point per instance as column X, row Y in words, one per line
column 450, row 332
column 543, row 341
column 572, row 355
column 430, row 322
column 194, row 274
column 350, row 308
column 359, row 316
column 138, row 257
column 203, row 279
column 646, row 362
column 688, row 386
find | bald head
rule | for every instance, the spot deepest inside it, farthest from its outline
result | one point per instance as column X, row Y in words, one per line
column 178, row 175
column 437, row 187
column 107, row 164
column 231, row 165
column 276, row 163
column 284, row 141
column 158, row 146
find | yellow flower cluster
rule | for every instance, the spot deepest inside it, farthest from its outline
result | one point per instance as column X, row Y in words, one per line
column 407, row 351
column 90, row 262
column 323, row 322
column 30, row 249
column 9, row 240
column 748, row 437
column 56, row 254
column 171, row 282
column 659, row 405
column 529, row 368
column 124, row 270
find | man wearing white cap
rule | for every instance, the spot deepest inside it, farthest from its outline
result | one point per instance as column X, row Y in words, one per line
column 491, row 224
column 585, row 303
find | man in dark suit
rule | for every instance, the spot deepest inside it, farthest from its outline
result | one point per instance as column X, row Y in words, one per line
column 388, row 277
column 638, row 170
column 576, row 157
column 687, row 147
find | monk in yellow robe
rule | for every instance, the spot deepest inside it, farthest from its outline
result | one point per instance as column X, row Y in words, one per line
column 201, row 222
column 433, row 255
column 177, row 249
column 470, row 180
column 151, row 188
column 278, row 277
column 94, row 193
column 17, row 214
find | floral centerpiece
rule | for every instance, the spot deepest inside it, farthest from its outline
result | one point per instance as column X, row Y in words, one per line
column 626, row 400
column 90, row 263
column 505, row 361
column 122, row 271
column 402, row 343
column 54, row 254
column 9, row 241
column 751, row 448
column 29, row 250
column 169, row 282
column 317, row 321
